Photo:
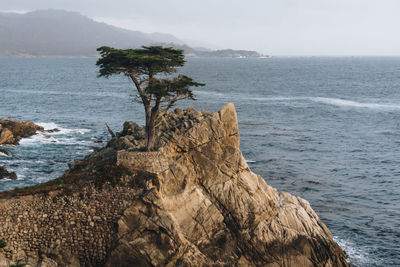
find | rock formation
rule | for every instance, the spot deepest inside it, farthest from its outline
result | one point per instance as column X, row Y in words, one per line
column 6, row 174
column 4, row 153
column 193, row 202
column 12, row 131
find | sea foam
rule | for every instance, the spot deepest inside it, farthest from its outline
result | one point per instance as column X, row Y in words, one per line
column 63, row 135
column 51, row 125
column 350, row 103
column 4, row 155
column 357, row 256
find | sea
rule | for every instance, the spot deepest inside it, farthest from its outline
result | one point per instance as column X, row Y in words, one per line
column 326, row 129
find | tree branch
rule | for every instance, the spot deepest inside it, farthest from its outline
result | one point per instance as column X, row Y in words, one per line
column 110, row 131
column 171, row 102
column 142, row 94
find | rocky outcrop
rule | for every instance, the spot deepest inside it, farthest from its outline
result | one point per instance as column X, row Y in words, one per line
column 4, row 153
column 6, row 174
column 193, row 202
column 212, row 210
column 12, row 131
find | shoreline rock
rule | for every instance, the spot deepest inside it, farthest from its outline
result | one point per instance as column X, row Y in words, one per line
column 5, row 153
column 5, row 174
column 11, row 131
column 193, row 202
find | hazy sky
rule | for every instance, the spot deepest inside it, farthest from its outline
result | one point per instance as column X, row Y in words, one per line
column 279, row 27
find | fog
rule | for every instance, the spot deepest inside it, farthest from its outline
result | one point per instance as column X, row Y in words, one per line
column 284, row 27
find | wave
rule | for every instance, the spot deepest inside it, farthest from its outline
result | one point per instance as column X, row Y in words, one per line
column 276, row 98
column 69, row 93
column 394, row 133
column 51, row 126
column 43, row 138
column 350, row 103
column 325, row 100
column 4, row 155
column 332, row 101
column 37, row 139
column 63, row 135
column 357, row 256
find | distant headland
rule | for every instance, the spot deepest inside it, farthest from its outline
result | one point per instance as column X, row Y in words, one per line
column 60, row 33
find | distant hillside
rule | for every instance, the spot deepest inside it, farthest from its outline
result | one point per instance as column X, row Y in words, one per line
column 64, row 33
column 204, row 52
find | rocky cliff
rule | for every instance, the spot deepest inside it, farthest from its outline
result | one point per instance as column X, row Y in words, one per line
column 193, row 202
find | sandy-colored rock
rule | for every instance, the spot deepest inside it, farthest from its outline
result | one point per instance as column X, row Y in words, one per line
column 6, row 137
column 12, row 131
column 4, row 262
column 212, row 210
column 193, row 202
column 5, row 153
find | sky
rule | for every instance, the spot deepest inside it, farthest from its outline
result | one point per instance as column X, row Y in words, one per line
column 272, row 27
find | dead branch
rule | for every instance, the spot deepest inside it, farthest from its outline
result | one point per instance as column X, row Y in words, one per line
column 110, row 131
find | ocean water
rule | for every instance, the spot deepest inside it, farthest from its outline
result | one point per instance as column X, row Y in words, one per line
column 326, row 129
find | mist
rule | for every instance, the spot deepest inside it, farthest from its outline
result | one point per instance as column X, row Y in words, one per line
column 286, row 27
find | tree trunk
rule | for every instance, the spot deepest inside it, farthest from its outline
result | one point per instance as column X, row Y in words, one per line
column 150, row 136
column 150, row 130
column 150, row 126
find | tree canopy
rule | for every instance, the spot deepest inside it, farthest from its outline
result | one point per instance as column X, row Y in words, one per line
column 152, row 70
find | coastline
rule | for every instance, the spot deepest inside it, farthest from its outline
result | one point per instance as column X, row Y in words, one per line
column 69, row 220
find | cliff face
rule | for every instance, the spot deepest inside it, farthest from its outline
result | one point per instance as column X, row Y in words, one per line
column 211, row 209
column 194, row 202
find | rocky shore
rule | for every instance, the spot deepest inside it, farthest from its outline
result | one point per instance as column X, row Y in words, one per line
column 192, row 202
column 11, row 132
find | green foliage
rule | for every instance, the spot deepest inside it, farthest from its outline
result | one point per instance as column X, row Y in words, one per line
column 148, row 68
column 148, row 60
column 168, row 88
column 2, row 243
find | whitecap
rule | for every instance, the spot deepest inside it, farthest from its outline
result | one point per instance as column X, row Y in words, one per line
column 6, row 180
column 250, row 161
column 47, row 125
column 325, row 100
column 38, row 139
column 51, row 125
column 350, row 103
column 20, row 177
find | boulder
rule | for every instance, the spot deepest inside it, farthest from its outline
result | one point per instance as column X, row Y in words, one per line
column 5, row 174
column 4, row 152
column 7, row 137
